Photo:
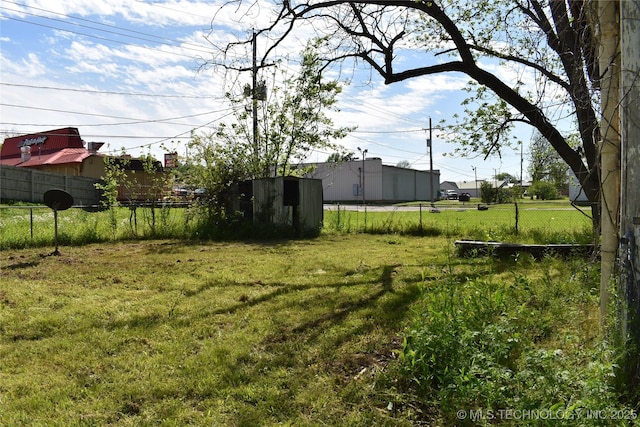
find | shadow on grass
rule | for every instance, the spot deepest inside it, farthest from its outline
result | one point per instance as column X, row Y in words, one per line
column 21, row 265
column 384, row 285
column 178, row 246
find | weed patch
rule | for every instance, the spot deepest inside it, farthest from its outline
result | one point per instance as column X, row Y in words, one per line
column 512, row 341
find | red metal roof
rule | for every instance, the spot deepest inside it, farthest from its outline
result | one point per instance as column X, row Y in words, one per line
column 41, row 143
column 64, row 156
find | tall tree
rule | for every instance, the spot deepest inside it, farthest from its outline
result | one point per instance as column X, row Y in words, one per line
column 292, row 119
column 545, row 164
column 553, row 42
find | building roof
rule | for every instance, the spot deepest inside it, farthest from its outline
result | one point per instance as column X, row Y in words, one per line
column 54, row 147
column 469, row 185
column 63, row 156
column 41, row 143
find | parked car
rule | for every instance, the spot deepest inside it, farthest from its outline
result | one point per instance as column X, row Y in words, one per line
column 181, row 192
column 452, row 195
column 464, row 197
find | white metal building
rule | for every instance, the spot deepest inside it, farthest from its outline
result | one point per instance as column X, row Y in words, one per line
column 346, row 182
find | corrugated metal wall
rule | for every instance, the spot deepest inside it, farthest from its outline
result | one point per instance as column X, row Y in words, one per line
column 401, row 184
column 342, row 182
column 311, row 205
column 272, row 204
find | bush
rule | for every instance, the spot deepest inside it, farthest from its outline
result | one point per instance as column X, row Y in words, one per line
column 488, row 194
column 543, row 190
column 504, row 344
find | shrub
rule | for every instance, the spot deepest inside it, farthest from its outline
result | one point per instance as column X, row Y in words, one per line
column 543, row 190
column 490, row 345
column 489, row 194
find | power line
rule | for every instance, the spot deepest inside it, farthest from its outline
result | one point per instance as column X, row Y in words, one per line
column 104, row 92
column 189, row 132
column 113, row 117
column 99, row 37
column 388, row 131
column 186, row 13
column 133, row 32
column 200, row 49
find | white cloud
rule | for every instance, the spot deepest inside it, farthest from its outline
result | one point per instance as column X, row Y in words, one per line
column 30, row 66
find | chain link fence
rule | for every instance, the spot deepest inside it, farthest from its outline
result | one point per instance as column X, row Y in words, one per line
column 523, row 222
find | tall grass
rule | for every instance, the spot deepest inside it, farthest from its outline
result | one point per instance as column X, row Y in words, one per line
column 33, row 226
column 535, row 226
column 346, row 329
column 485, row 348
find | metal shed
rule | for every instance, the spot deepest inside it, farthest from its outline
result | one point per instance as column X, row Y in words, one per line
column 284, row 201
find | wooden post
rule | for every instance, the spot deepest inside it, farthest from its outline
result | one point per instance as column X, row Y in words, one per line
column 630, row 203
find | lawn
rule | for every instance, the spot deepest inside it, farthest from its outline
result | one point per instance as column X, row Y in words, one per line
column 547, row 222
column 205, row 334
column 303, row 332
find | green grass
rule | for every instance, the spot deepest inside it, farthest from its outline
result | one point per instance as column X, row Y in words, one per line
column 206, row 334
column 306, row 332
column 538, row 222
column 34, row 226
column 535, row 225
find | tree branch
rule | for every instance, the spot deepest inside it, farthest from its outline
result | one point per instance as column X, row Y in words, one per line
column 359, row 23
column 554, row 78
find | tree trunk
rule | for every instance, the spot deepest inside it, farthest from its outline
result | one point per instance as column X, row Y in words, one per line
column 609, row 58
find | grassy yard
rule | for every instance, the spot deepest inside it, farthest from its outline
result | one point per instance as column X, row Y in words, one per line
column 205, row 334
column 329, row 331
column 537, row 222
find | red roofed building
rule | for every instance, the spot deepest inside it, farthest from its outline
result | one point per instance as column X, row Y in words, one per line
column 59, row 151
column 62, row 151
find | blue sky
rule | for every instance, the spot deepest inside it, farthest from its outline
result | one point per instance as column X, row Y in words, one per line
column 127, row 73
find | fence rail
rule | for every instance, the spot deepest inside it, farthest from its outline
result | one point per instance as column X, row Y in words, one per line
column 32, row 225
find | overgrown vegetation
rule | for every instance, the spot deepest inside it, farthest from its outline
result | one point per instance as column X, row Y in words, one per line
column 269, row 139
column 350, row 329
column 512, row 342
column 33, row 226
column 536, row 225
column 490, row 194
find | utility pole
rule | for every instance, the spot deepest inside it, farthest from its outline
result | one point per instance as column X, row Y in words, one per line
column 364, row 154
column 430, row 145
column 521, row 168
column 254, row 99
column 475, row 174
column 629, row 255
column 609, row 61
